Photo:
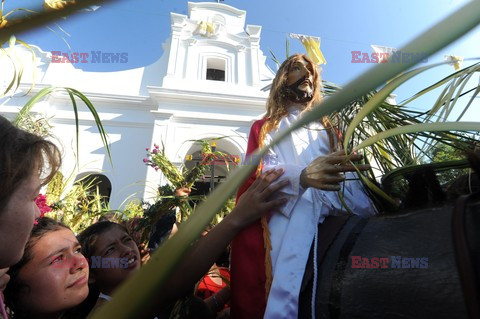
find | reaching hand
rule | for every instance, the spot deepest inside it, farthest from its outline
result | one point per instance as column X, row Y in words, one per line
column 182, row 192
column 4, row 279
column 254, row 203
column 144, row 253
column 326, row 172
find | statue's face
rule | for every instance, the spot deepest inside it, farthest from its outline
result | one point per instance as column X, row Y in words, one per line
column 302, row 72
column 300, row 87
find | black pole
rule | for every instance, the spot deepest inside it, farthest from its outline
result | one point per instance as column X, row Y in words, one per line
column 212, row 171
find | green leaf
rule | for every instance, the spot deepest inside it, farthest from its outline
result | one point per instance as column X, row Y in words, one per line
column 425, row 127
column 98, row 122
column 378, row 99
column 39, row 19
column 19, row 9
column 12, row 82
column 34, row 69
column 439, row 83
column 29, row 105
column 378, row 190
column 274, row 58
column 75, row 111
column 469, row 103
column 287, row 47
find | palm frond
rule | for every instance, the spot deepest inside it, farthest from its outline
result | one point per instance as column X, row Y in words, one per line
column 25, row 24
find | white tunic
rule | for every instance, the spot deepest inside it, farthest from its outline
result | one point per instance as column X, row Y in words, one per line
column 293, row 228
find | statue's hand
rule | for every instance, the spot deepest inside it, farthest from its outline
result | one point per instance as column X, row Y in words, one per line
column 326, row 172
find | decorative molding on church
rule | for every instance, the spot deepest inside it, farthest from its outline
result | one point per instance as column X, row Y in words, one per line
column 240, row 48
column 227, row 101
column 106, row 99
column 225, row 120
column 160, row 115
column 254, row 32
column 105, row 123
column 179, row 21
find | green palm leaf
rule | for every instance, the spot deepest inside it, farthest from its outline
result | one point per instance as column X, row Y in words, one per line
column 378, row 99
column 425, row 127
column 39, row 19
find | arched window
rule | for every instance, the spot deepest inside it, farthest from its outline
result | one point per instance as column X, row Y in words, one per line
column 96, row 180
column 215, row 69
column 222, row 165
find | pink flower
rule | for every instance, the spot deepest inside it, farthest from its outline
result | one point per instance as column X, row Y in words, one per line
column 155, row 151
column 156, row 168
column 41, row 201
column 145, row 160
column 147, row 149
column 156, row 146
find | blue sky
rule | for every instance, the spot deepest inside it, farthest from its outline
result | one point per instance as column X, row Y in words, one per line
column 139, row 27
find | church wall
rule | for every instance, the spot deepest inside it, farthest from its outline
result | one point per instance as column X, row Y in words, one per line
column 169, row 100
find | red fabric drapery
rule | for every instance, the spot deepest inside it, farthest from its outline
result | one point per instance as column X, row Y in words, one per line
column 248, row 296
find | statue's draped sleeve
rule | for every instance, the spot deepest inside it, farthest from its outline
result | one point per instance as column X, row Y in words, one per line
column 248, row 296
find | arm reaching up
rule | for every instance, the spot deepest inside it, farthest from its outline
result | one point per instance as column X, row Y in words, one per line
column 251, row 206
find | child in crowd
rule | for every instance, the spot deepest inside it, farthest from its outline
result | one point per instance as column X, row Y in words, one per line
column 114, row 256
column 51, row 279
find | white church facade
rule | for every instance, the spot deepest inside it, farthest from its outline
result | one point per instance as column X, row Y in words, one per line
column 207, row 84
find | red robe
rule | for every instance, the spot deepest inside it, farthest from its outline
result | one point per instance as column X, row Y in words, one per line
column 248, row 295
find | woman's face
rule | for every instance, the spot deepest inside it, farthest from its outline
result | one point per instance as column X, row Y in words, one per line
column 56, row 276
column 16, row 221
column 116, row 256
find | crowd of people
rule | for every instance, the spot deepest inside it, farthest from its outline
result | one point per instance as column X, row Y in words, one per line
column 46, row 271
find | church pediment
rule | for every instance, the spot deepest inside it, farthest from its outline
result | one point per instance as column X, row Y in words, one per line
column 213, row 43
